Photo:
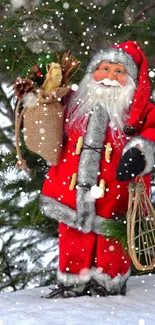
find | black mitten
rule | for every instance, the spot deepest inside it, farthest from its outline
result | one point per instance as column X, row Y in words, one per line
column 132, row 164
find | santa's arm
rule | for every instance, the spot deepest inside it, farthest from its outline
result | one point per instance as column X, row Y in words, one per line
column 138, row 154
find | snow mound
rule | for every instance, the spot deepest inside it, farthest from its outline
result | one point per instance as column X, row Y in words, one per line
column 27, row 307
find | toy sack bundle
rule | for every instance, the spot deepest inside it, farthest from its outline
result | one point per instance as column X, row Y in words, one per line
column 42, row 113
column 140, row 227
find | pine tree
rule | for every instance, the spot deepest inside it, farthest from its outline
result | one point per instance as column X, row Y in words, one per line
column 31, row 33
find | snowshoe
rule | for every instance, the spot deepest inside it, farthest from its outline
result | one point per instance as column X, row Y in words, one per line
column 62, row 291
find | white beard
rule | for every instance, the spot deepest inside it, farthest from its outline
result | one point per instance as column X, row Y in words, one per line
column 116, row 101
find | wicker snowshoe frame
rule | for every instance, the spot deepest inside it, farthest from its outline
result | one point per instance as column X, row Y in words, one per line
column 140, row 227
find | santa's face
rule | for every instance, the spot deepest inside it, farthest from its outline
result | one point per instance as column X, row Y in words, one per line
column 111, row 88
column 111, row 71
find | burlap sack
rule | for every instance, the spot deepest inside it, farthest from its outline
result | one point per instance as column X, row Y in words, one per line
column 43, row 127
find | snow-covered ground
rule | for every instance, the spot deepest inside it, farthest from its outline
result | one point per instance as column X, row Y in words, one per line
column 27, row 307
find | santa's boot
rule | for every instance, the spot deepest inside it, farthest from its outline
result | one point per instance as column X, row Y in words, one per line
column 72, row 291
column 92, row 288
column 96, row 289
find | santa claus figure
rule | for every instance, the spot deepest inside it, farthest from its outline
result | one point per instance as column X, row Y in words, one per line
column 109, row 140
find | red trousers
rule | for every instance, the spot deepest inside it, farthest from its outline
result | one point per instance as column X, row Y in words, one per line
column 80, row 251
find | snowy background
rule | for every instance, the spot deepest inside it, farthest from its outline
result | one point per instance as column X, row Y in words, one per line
column 27, row 307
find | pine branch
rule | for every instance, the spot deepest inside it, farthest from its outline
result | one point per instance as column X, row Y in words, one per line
column 7, row 143
column 115, row 229
column 8, row 271
column 9, row 114
column 3, row 113
column 144, row 10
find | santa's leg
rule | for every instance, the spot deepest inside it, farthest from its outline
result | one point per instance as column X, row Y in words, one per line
column 111, row 270
column 89, row 264
column 76, row 255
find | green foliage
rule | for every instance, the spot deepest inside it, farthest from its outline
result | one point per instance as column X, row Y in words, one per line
column 116, row 229
column 42, row 60
column 69, row 28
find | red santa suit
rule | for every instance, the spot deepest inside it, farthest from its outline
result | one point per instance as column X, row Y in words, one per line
column 84, row 252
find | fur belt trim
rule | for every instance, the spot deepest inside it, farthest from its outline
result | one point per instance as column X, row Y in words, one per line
column 63, row 213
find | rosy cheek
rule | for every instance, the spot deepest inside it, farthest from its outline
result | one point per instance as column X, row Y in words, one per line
column 98, row 75
column 123, row 80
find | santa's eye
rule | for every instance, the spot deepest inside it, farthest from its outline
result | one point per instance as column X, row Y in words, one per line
column 106, row 69
column 119, row 71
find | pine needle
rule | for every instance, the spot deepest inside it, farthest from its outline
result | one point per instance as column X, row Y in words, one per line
column 115, row 229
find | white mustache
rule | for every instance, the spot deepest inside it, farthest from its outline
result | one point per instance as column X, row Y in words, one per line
column 108, row 82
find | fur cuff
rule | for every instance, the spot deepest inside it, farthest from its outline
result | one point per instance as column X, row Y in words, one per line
column 63, row 213
column 113, row 285
column 147, row 147
column 73, row 279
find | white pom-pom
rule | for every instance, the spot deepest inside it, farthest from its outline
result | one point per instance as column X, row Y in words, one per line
column 30, row 100
column 96, row 191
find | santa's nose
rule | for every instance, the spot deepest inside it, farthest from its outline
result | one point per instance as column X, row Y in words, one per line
column 111, row 75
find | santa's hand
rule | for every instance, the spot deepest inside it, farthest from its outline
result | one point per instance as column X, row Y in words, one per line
column 132, row 164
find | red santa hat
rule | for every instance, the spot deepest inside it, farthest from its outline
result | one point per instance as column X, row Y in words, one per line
column 127, row 53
